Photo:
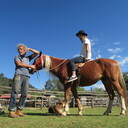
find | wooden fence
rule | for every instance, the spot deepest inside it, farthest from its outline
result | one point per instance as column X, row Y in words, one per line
column 43, row 98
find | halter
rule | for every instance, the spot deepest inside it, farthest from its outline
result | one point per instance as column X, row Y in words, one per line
column 41, row 57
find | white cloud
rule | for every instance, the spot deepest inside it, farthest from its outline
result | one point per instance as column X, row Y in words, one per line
column 116, row 43
column 119, row 57
column 116, row 50
column 112, row 57
column 92, row 44
column 123, row 61
column 115, row 56
column 99, row 56
column 76, row 55
column 99, row 86
column 93, row 41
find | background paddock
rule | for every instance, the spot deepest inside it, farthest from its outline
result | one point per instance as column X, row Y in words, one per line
column 42, row 98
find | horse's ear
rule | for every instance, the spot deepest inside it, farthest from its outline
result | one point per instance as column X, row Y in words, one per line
column 40, row 53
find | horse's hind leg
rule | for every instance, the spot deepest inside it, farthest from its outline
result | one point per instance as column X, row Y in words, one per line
column 111, row 94
column 75, row 94
column 121, row 93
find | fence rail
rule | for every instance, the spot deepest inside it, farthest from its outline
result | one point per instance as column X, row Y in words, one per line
column 43, row 98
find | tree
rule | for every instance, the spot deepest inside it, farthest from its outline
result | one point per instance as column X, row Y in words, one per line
column 4, row 81
column 80, row 89
column 125, row 75
column 55, row 85
column 98, row 89
column 51, row 85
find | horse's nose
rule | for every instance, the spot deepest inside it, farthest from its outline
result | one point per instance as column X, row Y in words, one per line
column 31, row 71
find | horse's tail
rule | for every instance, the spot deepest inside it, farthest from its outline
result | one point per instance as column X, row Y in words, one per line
column 123, row 86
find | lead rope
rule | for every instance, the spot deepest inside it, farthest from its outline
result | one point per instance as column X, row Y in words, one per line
column 58, row 65
column 37, row 75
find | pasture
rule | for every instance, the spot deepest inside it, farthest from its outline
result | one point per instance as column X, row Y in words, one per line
column 40, row 118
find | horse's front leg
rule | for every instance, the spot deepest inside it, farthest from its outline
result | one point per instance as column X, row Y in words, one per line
column 75, row 94
column 67, row 89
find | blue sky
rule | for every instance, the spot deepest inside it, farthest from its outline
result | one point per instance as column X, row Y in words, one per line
column 50, row 26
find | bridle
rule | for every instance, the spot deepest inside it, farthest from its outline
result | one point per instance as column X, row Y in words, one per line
column 40, row 61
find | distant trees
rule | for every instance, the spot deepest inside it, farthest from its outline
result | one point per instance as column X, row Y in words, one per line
column 125, row 75
column 98, row 89
column 55, row 85
column 4, row 81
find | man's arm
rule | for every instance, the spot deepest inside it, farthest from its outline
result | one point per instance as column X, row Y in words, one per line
column 20, row 64
column 35, row 53
column 87, row 51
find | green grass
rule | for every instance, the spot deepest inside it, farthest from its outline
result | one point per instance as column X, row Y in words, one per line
column 92, row 118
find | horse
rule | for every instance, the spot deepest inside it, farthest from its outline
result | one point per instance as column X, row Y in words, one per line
column 106, row 70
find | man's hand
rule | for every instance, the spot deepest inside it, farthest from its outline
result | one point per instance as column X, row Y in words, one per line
column 33, row 67
column 28, row 49
column 86, row 59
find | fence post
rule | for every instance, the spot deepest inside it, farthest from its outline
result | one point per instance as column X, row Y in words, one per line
column 41, row 102
column 92, row 103
column 35, row 101
column 72, row 104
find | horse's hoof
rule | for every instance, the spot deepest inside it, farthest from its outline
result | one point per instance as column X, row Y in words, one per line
column 122, row 114
column 105, row 114
column 64, row 114
column 80, row 115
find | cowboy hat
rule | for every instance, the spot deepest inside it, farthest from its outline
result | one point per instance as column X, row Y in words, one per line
column 81, row 32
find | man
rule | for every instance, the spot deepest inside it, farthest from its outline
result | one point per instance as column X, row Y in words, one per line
column 85, row 54
column 21, row 79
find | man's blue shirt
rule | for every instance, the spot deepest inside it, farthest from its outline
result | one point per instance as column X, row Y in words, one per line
column 22, row 70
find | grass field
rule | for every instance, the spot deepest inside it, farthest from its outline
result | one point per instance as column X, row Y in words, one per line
column 92, row 118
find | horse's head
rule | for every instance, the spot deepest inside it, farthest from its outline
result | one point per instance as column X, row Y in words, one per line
column 42, row 61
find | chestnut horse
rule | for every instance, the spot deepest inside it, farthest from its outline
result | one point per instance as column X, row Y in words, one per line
column 106, row 70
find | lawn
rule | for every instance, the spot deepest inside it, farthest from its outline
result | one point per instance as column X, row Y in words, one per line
column 92, row 118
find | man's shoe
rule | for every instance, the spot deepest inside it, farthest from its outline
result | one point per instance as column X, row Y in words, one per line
column 20, row 113
column 72, row 79
column 12, row 114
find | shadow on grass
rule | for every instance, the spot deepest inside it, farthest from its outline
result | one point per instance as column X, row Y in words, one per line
column 42, row 114
column 48, row 114
column 58, row 115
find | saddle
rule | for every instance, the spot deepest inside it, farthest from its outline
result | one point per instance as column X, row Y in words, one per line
column 79, row 65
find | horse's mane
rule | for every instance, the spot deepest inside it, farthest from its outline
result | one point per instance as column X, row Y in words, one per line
column 47, row 62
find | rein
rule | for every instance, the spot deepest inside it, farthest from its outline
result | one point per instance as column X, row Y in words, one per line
column 58, row 65
column 37, row 75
